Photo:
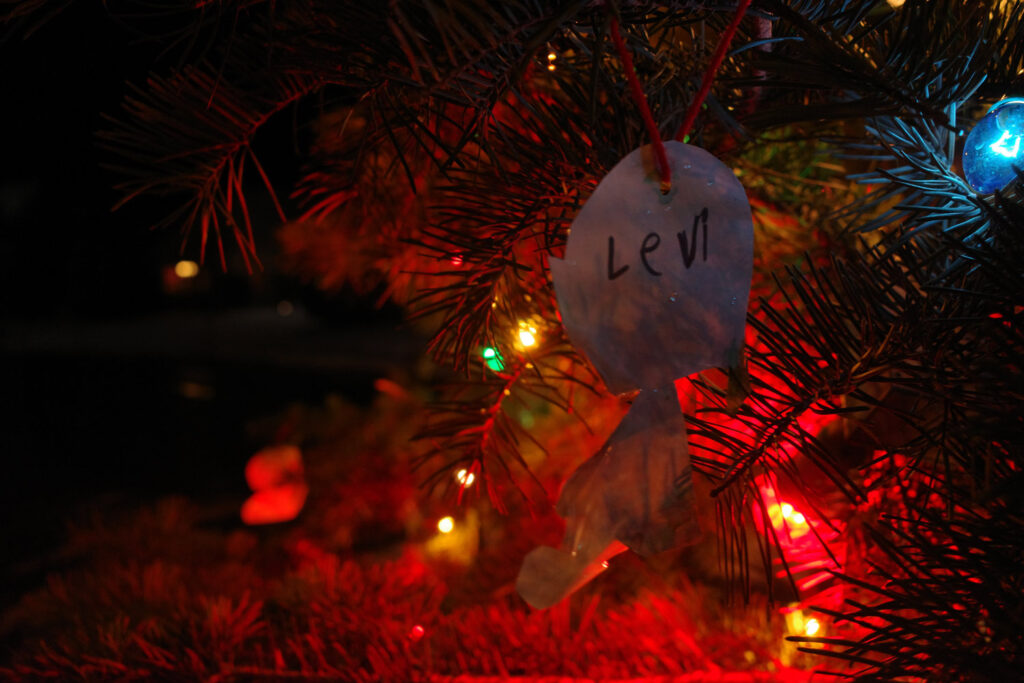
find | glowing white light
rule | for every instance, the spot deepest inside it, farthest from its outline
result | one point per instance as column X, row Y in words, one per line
column 445, row 525
column 798, row 518
column 1000, row 146
column 465, row 478
column 186, row 269
column 527, row 334
column 812, row 626
column 552, row 56
column 787, row 510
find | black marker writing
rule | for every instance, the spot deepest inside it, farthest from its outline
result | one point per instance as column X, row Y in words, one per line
column 647, row 247
column 652, row 240
column 612, row 273
column 689, row 250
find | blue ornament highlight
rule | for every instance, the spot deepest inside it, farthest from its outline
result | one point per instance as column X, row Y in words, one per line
column 995, row 146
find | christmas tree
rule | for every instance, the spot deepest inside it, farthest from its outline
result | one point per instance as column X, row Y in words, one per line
column 857, row 464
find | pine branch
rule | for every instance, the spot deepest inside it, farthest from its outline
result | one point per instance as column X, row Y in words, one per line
column 22, row 18
column 478, row 425
column 915, row 60
column 190, row 136
column 459, row 160
column 945, row 603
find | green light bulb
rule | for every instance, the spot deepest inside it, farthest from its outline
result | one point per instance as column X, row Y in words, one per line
column 493, row 359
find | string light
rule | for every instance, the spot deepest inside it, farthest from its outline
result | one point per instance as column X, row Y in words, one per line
column 493, row 359
column 445, row 525
column 527, row 334
column 186, row 269
column 798, row 623
column 551, row 61
column 992, row 150
column 465, row 478
column 416, row 633
column 1002, row 147
column 788, row 513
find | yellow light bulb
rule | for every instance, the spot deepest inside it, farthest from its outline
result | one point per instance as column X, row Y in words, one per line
column 186, row 269
column 787, row 510
column 551, row 67
column 526, row 338
column 798, row 518
column 465, row 478
column 445, row 525
column 812, row 626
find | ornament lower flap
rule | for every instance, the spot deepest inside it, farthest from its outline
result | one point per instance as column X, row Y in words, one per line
column 638, row 488
column 636, row 492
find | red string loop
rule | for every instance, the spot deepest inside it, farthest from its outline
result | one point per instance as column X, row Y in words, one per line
column 660, row 157
column 709, row 76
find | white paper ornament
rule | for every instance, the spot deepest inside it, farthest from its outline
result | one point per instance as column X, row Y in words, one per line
column 653, row 288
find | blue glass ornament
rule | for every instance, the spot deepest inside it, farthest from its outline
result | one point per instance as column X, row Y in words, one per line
column 995, row 146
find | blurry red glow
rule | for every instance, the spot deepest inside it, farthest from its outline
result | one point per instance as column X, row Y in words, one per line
column 416, row 633
column 274, row 505
column 276, row 477
column 273, row 465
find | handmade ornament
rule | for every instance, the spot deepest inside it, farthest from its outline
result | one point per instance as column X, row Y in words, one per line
column 653, row 288
column 993, row 148
column 276, row 477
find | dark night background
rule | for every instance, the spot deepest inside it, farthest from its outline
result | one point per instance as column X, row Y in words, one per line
column 115, row 390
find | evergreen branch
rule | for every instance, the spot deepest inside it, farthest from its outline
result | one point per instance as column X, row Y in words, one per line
column 952, row 608
column 189, row 136
column 914, row 325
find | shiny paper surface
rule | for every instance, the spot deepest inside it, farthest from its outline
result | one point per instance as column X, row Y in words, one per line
column 636, row 491
column 653, row 287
